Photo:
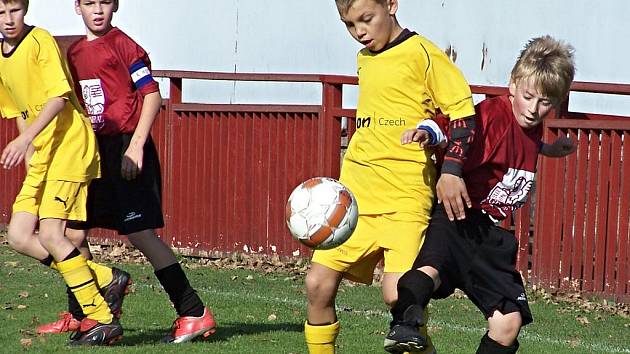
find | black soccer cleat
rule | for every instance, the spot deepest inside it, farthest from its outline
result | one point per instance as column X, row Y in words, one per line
column 115, row 292
column 92, row 332
column 404, row 336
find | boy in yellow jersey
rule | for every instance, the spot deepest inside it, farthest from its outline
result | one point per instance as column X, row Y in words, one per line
column 113, row 74
column 402, row 78
column 34, row 87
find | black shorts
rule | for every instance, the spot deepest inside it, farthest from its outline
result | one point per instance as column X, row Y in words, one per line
column 118, row 204
column 479, row 258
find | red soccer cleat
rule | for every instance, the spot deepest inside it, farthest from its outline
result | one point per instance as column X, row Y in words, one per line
column 187, row 328
column 66, row 323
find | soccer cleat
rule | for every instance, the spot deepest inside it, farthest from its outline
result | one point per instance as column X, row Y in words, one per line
column 92, row 332
column 115, row 292
column 187, row 328
column 404, row 336
column 66, row 323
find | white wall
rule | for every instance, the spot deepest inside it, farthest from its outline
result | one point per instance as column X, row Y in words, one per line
column 306, row 36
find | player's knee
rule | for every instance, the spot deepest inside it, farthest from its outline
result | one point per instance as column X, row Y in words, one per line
column 49, row 237
column 17, row 238
column 312, row 282
column 318, row 288
column 390, row 299
column 77, row 237
column 504, row 329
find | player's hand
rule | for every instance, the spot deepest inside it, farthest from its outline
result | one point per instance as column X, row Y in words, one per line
column 14, row 152
column 563, row 146
column 451, row 191
column 419, row 136
column 131, row 165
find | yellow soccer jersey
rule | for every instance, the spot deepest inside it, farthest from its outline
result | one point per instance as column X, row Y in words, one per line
column 31, row 74
column 8, row 108
column 398, row 87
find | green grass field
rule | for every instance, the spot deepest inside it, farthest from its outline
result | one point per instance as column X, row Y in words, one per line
column 262, row 312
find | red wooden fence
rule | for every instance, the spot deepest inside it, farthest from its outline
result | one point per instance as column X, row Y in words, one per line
column 229, row 168
column 582, row 225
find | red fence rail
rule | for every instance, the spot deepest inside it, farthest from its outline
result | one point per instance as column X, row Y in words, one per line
column 229, row 168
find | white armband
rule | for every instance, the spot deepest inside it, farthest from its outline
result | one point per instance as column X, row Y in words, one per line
column 430, row 126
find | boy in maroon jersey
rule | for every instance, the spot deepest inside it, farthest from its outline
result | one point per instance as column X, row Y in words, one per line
column 473, row 254
column 122, row 99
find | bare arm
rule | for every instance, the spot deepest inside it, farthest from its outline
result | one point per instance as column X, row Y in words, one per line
column 21, row 125
column 132, row 161
column 19, row 148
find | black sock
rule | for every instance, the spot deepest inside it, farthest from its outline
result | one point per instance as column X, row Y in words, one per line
column 75, row 252
column 414, row 288
column 182, row 295
column 489, row 346
column 47, row 261
column 73, row 305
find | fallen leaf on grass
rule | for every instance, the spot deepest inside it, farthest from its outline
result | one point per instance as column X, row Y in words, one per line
column 23, row 294
column 26, row 342
column 272, row 317
column 117, row 251
column 27, row 332
column 583, row 320
column 573, row 342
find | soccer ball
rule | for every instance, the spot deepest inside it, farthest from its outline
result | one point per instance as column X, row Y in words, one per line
column 321, row 213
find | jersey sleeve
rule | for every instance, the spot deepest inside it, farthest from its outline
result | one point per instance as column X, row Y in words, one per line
column 448, row 87
column 139, row 66
column 52, row 68
column 435, row 132
column 8, row 109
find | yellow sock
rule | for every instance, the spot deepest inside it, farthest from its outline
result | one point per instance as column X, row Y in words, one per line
column 102, row 274
column 321, row 339
column 53, row 265
column 79, row 278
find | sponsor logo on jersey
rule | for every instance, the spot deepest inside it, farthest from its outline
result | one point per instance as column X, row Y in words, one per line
column 365, row 122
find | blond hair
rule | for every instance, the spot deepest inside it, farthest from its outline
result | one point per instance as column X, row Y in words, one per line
column 344, row 5
column 549, row 62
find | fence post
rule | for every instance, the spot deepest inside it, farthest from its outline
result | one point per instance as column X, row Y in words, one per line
column 329, row 130
column 175, row 97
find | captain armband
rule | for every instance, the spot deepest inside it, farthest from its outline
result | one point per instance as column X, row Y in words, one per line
column 140, row 74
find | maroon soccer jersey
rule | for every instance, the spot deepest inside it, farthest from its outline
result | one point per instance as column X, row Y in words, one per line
column 499, row 171
column 112, row 73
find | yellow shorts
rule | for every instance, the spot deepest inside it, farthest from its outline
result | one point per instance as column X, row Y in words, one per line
column 396, row 238
column 52, row 199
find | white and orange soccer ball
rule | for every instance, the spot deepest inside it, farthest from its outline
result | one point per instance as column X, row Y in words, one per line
column 321, row 213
